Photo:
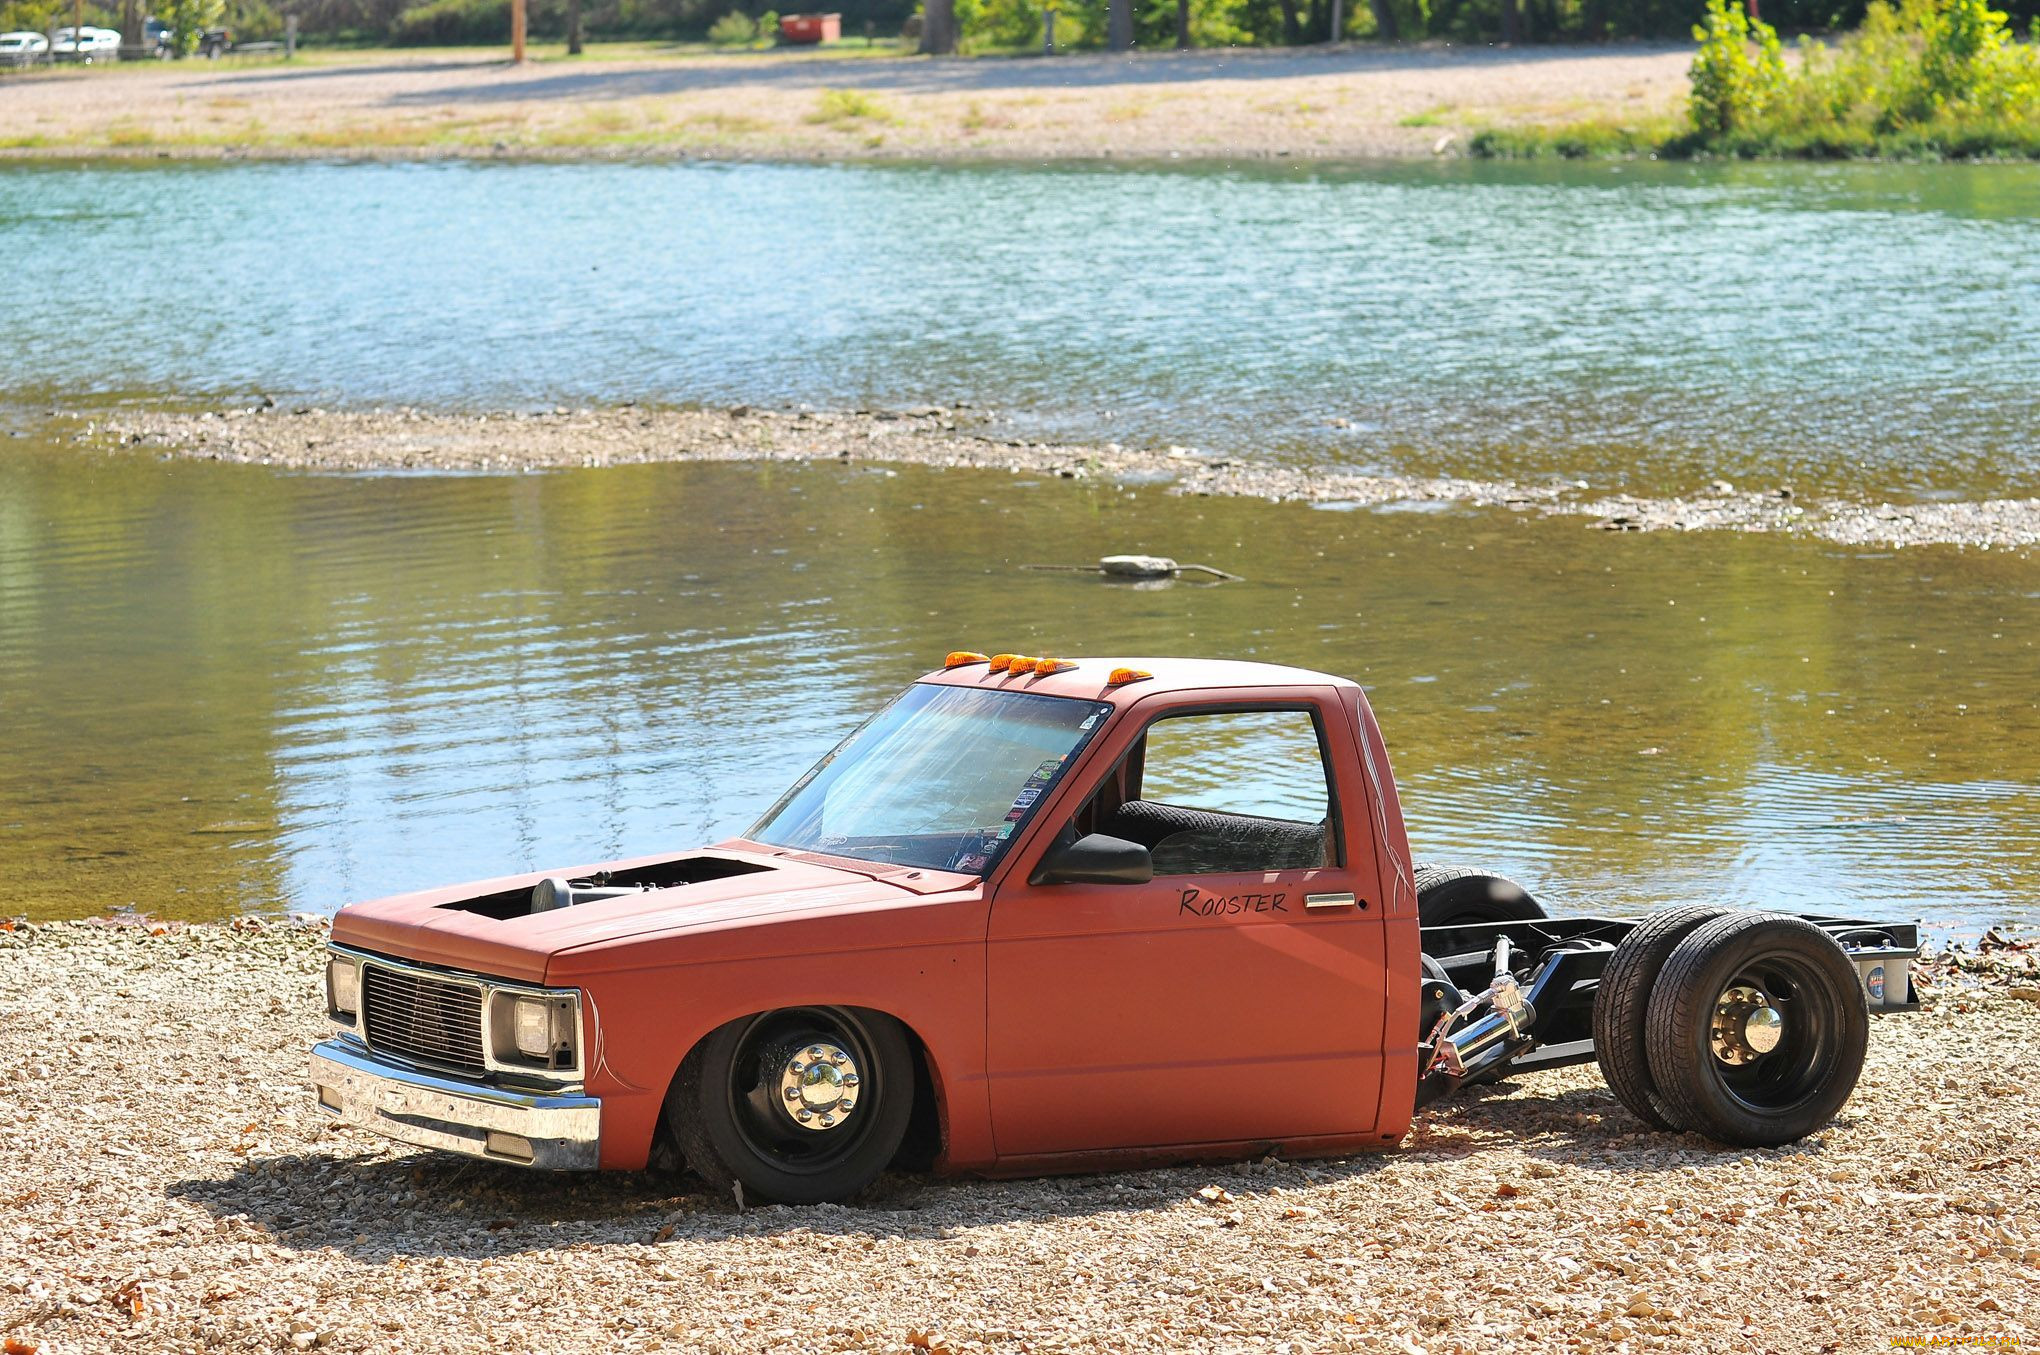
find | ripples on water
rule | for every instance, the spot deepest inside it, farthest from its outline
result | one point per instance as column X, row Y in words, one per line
column 225, row 688
column 1869, row 328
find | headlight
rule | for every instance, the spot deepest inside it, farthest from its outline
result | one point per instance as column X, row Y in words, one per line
column 343, row 986
column 540, row 1028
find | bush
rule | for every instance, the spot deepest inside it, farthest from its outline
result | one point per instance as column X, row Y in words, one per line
column 1738, row 71
column 453, row 21
column 735, row 29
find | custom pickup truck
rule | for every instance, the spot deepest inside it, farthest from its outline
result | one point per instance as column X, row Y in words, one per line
column 1042, row 915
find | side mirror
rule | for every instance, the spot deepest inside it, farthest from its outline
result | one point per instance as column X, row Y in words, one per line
column 1095, row 859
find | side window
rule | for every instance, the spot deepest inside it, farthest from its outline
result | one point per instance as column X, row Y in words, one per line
column 1230, row 791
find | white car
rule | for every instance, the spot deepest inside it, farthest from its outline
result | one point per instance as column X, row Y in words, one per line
column 20, row 49
column 88, row 45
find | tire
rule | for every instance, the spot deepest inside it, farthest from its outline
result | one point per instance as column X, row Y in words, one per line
column 1622, row 1008
column 1455, row 896
column 1726, row 1084
column 731, row 1114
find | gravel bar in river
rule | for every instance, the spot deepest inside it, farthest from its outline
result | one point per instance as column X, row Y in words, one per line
column 411, row 439
column 166, row 1184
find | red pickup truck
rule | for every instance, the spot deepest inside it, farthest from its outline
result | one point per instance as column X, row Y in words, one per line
column 1041, row 915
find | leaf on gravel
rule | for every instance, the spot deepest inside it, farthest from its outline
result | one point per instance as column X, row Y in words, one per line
column 662, row 1235
column 1507, row 1191
column 19, row 1345
column 1215, row 1195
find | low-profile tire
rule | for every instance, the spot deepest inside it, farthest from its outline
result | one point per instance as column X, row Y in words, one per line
column 1757, row 1029
column 1458, row 896
column 1622, row 1008
column 734, row 1109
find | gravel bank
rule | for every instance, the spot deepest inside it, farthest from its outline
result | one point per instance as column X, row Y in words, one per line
column 1349, row 103
column 167, row 1187
column 409, row 439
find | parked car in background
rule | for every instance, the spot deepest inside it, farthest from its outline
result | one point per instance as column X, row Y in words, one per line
column 23, row 49
column 87, row 44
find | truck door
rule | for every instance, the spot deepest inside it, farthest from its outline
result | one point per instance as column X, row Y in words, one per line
column 1236, row 997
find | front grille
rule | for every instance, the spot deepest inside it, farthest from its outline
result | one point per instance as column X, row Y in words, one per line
column 423, row 1017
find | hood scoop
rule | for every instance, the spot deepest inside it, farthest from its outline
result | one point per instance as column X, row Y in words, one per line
column 559, row 891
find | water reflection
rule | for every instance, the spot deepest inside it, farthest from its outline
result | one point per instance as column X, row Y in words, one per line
column 225, row 688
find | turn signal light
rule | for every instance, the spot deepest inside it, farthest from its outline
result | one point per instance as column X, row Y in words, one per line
column 959, row 658
column 1000, row 662
column 1119, row 677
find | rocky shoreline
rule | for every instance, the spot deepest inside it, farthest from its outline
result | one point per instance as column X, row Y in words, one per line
column 956, row 436
column 168, row 1185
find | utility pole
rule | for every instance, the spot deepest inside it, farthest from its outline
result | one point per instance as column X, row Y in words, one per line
column 516, row 31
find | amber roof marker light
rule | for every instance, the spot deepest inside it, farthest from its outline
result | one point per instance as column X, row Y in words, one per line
column 1000, row 662
column 1043, row 667
column 1119, row 677
column 963, row 658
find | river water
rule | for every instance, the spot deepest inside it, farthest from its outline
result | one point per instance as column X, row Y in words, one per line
column 228, row 689
column 1869, row 329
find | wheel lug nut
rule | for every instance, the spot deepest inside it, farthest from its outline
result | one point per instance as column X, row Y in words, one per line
column 849, row 1079
column 793, row 1093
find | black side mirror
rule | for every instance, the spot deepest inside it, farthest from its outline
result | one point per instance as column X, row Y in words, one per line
column 1095, row 859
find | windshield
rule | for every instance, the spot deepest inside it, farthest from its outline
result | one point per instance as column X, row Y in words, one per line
column 941, row 778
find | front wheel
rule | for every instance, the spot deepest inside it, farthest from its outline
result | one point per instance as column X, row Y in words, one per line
column 1757, row 1029
column 801, row 1105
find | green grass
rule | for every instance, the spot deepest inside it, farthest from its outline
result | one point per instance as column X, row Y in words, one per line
column 840, row 107
column 1945, row 139
column 1430, row 117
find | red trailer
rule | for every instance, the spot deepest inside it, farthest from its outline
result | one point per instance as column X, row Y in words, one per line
column 810, row 29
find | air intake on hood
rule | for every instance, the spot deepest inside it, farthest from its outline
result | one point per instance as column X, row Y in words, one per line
column 561, row 892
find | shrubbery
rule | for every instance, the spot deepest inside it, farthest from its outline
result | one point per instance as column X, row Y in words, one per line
column 1921, row 79
column 734, row 29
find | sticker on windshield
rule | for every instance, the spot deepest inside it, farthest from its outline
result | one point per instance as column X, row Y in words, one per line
column 1004, row 830
column 1090, row 720
column 1027, row 796
column 1047, row 770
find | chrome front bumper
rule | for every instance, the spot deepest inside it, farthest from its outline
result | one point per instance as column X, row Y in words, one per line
column 529, row 1129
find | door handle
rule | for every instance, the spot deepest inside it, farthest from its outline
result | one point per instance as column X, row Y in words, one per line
column 1329, row 901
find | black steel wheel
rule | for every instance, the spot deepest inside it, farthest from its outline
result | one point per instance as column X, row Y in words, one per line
column 1757, row 1029
column 801, row 1105
column 1622, row 1008
column 1458, row 896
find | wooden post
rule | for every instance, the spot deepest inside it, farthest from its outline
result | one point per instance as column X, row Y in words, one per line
column 1338, row 20
column 517, row 31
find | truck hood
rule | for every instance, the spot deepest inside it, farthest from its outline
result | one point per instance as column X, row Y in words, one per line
column 468, row 927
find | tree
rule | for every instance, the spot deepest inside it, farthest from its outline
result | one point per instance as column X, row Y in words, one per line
column 1384, row 20
column 938, row 27
column 1182, row 25
column 188, row 20
column 1512, row 22
column 1119, row 25
column 573, row 27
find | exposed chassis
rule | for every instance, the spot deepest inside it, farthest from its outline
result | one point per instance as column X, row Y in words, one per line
column 1495, row 1020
